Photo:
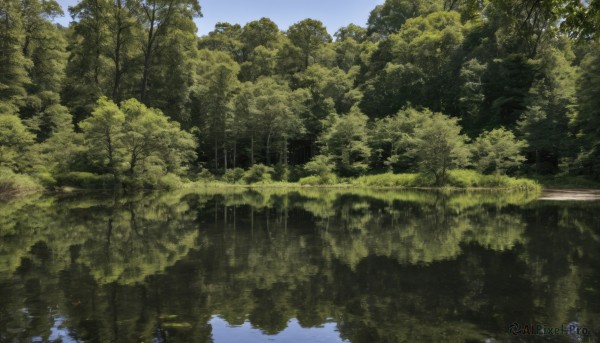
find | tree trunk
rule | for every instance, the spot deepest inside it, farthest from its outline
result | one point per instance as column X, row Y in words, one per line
column 225, row 156
column 148, row 55
column 269, row 149
column 234, row 154
column 216, row 154
column 252, row 150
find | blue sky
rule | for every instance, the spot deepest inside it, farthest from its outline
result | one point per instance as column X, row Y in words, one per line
column 333, row 13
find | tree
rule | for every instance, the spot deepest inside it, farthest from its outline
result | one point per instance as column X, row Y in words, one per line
column 270, row 112
column 345, row 142
column 321, row 166
column 388, row 18
column 587, row 122
column 308, row 35
column 352, row 31
column 263, row 32
column 225, row 37
column 416, row 66
column 14, row 141
column 438, row 146
column 211, row 101
column 392, row 137
column 497, row 151
column 104, row 132
column 471, row 95
column 153, row 145
column 551, row 108
column 158, row 17
column 13, row 64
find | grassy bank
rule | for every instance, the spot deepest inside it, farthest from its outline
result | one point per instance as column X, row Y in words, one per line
column 467, row 179
column 12, row 185
column 457, row 179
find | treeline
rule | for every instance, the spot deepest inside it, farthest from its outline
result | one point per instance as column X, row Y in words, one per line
column 128, row 92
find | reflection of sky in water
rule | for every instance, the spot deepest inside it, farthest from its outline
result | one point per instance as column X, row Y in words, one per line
column 57, row 333
column 223, row 332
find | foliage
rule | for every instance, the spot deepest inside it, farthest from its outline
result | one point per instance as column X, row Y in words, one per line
column 258, row 173
column 15, row 139
column 137, row 142
column 455, row 178
column 12, row 184
column 497, row 151
column 345, row 142
column 439, row 146
column 233, row 175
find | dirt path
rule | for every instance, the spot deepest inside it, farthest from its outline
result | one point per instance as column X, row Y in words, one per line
column 570, row 194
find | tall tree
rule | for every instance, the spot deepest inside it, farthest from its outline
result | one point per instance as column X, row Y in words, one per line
column 211, row 101
column 157, row 16
column 345, row 142
column 104, row 132
column 498, row 151
column 439, row 146
column 13, row 64
column 308, row 35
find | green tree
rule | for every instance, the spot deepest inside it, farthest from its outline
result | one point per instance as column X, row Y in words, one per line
column 226, row 38
column 158, row 17
column 352, row 31
column 263, row 32
column 103, row 131
column 439, row 146
column 497, row 151
column 587, row 122
column 321, row 166
column 153, row 145
column 13, row 64
column 15, row 140
column 309, row 36
column 471, row 93
column 211, row 102
column 392, row 137
column 345, row 142
column 416, row 66
column 388, row 18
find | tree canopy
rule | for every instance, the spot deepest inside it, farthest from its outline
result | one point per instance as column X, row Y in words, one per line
column 515, row 82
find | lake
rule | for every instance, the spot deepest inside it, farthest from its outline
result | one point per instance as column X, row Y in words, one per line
column 305, row 265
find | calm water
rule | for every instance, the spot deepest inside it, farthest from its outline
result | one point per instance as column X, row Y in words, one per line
column 300, row 266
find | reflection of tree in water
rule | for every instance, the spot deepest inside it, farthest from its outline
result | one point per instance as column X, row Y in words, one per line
column 416, row 232
column 387, row 266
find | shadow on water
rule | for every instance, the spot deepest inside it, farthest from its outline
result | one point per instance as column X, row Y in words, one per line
column 303, row 265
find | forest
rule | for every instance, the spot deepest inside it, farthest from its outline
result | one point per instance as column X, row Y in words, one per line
column 129, row 95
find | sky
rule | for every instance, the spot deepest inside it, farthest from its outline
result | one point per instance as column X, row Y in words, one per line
column 333, row 13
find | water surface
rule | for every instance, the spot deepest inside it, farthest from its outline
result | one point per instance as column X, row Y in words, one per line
column 299, row 266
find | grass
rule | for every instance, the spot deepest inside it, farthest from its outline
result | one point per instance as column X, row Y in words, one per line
column 456, row 179
column 467, row 179
column 12, row 184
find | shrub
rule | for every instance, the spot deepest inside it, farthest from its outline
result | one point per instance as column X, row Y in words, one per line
column 205, row 176
column 234, row 175
column 258, row 173
column 281, row 173
column 169, row 181
column 326, row 179
column 464, row 178
column 393, row 180
column 12, row 184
